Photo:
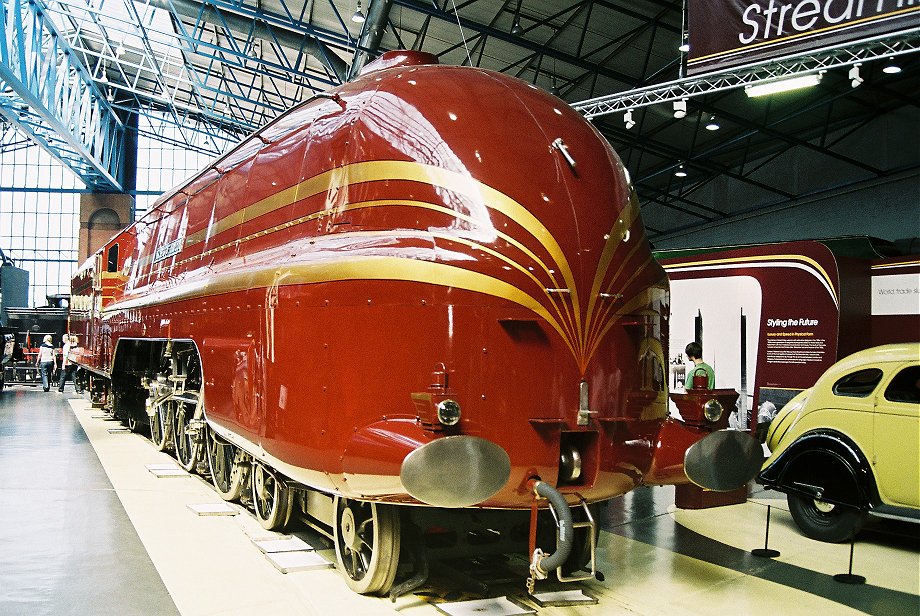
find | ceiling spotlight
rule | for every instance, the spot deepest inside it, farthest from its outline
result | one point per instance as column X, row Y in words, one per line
column 712, row 124
column 891, row 69
column 110, row 96
column 680, row 172
column 855, row 79
column 358, row 17
column 766, row 88
column 680, row 108
column 628, row 119
column 684, row 47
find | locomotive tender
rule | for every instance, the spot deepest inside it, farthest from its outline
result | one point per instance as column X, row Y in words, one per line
column 430, row 286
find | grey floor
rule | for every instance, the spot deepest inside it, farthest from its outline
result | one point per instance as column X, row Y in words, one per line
column 66, row 544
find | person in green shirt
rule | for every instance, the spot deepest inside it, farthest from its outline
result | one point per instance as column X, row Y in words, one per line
column 694, row 352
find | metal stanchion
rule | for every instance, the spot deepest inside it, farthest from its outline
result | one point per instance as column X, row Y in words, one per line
column 849, row 577
column 766, row 552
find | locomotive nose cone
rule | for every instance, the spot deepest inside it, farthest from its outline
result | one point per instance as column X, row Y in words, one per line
column 455, row 471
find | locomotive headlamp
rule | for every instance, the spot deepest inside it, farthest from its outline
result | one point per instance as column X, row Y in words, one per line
column 448, row 412
column 712, row 410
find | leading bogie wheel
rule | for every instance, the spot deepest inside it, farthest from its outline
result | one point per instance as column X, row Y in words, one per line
column 271, row 498
column 226, row 472
column 367, row 539
column 186, row 437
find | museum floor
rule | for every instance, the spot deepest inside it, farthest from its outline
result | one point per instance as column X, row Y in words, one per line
column 87, row 528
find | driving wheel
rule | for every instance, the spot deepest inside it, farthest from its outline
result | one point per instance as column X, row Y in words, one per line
column 271, row 499
column 226, row 472
column 186, row 436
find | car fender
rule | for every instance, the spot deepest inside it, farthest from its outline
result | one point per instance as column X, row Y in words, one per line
column 823, row 464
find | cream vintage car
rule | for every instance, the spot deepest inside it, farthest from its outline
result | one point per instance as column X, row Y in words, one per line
column 848, row 447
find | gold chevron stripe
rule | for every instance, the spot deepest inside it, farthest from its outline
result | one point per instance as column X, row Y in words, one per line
column 602, row 314
column 372, row 171
column 354, row 268
column 581, row 333
column 614, row 238
column 643, row 298
column 567, row 318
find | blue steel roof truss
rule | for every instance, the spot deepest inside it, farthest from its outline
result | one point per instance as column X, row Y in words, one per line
column 51, row 97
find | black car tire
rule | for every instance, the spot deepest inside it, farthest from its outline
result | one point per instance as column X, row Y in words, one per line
column 825, row 521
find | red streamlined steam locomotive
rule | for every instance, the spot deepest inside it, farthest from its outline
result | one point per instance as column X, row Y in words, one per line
column 430, row 286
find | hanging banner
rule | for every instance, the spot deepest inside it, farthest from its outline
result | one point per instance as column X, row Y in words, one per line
column 727, row 33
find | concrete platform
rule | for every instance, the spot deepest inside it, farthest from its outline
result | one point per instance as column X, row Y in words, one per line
column 86, row 528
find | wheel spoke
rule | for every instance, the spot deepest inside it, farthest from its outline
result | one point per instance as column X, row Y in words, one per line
column 352, row 563
column 366, row 559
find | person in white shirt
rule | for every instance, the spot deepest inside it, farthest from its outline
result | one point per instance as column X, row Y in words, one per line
column 45, row 361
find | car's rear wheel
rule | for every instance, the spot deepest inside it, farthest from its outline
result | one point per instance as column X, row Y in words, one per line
column 825, row 521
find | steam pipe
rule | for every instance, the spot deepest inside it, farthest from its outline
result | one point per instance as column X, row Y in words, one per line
column 543, row 563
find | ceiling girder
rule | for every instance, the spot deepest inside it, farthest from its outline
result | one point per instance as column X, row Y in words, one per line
column 875, row 48
column 244, row 21
column 51, row 97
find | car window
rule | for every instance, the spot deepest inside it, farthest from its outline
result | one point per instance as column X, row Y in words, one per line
column 858, row 384
column 905, row 386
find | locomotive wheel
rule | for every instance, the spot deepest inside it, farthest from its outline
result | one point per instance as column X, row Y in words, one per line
column 226, row 474
column 271, row 499
column 186, row 441
column 366, row 545
column 161, row 426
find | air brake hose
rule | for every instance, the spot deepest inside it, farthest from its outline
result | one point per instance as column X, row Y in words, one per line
column 542, row 563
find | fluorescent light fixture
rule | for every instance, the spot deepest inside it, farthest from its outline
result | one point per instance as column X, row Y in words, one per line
column 891, row 69
column 765, row 88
